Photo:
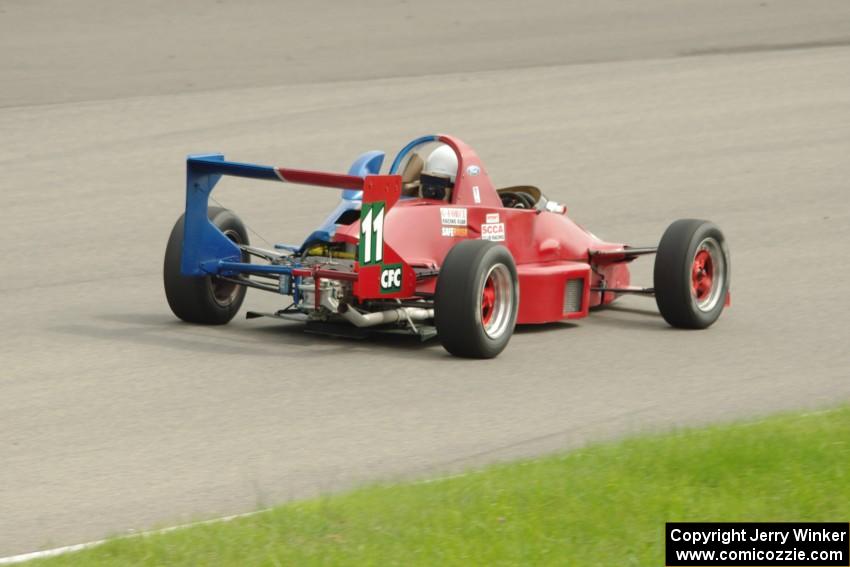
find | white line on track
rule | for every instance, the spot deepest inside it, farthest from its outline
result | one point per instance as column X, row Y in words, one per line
column 12, row 559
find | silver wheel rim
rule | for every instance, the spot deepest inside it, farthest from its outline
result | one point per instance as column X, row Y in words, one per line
column 496, row 300
column 709, row 248
column 224, row 292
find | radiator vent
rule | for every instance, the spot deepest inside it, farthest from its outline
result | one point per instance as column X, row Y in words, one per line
column 573, row 292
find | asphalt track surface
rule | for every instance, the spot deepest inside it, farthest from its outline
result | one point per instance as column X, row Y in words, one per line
column 114, row 416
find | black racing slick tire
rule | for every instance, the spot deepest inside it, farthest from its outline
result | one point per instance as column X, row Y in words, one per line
column 691, row 274
column 477, row 299
column 205, row 300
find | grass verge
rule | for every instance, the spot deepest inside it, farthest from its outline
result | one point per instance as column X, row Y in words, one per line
column 604, row 505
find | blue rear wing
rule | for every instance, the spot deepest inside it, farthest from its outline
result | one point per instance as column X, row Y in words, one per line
column 205, row 246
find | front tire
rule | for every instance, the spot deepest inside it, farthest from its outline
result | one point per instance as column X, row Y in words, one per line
column 206, row 300
column 477, row 299
column 691, row 274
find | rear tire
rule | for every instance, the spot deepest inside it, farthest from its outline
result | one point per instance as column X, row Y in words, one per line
column 477, row 299
column 691, row 274
column 205, row 300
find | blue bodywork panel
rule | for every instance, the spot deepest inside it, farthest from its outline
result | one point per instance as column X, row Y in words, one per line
column 366, row 164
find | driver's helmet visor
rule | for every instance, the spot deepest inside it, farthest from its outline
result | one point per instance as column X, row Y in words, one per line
column 434, row 186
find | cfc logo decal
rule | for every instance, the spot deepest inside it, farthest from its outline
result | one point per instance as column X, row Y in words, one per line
column 391, row 278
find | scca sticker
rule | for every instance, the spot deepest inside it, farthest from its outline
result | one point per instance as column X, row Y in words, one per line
column 494, row 231
column 391, row 278
column 473, row 170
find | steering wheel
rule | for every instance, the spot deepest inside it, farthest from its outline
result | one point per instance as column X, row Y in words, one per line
column 516, row 200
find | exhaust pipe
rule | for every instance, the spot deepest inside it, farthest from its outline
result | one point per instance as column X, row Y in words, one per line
column 384, row 317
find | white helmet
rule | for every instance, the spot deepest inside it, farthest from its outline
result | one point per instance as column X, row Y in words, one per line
column 442, row 162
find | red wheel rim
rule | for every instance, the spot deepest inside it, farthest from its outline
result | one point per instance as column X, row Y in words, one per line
column 702, row 275
column 488, row 300
column 497, row 302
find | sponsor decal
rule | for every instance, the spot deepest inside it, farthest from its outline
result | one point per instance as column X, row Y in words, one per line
column 391, row 278
column 476, row 194
column 452, row 217
column 473, row 170
column 492, row 217
column 372, row 233
column 455, row 231
column 554, row 207
column 493, row 231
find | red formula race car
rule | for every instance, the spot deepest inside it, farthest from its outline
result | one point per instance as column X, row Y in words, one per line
column 430, row 248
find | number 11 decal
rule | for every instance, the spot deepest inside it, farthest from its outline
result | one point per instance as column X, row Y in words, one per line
column 372, row 233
